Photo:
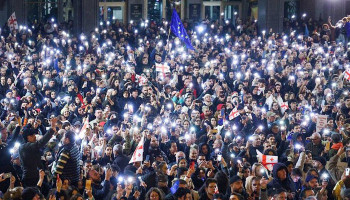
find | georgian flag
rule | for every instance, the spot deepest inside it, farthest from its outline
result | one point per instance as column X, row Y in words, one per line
column 83, row 129
column 234, row 113
column 141, row 80
column 347, row 75
column 12, row 22
column 284, row 106
column 267, row 160
column 138, row 153
column 164, row 68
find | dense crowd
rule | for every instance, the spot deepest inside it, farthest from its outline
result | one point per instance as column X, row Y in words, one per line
column 128, row 112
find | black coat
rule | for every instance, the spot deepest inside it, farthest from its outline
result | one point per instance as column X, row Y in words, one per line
column 30, row 156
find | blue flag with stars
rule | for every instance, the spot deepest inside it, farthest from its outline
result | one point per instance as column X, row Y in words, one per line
column 179, row 30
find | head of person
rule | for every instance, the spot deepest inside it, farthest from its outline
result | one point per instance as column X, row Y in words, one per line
column 319, row 162
column 154, row 194
column 280, row 171
column 307, row 192
column 68, row 138
column 31, row 193
column 29, row 134
column 311, row 181
column 210, row 186
column 183, row 194
column 236, row 184
column 94, row 176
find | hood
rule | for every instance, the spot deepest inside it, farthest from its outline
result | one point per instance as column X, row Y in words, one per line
column 277, row 167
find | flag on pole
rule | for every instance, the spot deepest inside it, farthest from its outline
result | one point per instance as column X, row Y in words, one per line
column 138, row 153
column 83, row 129
column 179, row 30
column 12, row 22
column 234, row 113
column 266, row 160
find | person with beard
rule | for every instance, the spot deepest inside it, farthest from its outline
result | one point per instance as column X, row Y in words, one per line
column 67, row 164
column 236, row 188
column 5, row 156
column 151, row 147
column 281, row 178
column 30, row 153
column 315, row 146
column 99, row 191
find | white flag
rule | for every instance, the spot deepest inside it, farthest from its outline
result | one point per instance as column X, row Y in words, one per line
column 12, row 22
column 138, row 153
column 83, row 129
column 234, row 113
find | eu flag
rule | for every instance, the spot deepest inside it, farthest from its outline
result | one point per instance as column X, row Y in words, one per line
column 178, row 29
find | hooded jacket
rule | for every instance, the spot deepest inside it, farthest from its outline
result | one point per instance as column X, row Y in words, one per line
column 276, row 183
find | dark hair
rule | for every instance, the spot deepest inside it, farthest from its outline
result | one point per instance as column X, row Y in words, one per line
column 303, row 192
column 71, row 136
column 210, row 180
column 180, row 192
column 156, row 190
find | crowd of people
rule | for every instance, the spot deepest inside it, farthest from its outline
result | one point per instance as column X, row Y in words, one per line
column 128, row 112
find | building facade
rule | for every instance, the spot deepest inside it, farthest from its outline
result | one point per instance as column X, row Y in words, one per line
column 85, row 15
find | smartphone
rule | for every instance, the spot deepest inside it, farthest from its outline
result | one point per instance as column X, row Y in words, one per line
column 347, row 171
column 108, row 166
column 88, row 184
column 219, row 157
column 192, row 165
column 7, row 175
column 328, row 145
column 147, row 158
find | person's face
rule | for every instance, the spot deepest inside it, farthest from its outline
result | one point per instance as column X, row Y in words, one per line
column 256, row 141
column 98, row 114
column 282, row 196
column 154, row 196
column 108, row 151
column 309, row 193
column 237, row 186
column 36, row 197
column 31, row 138
column 211, row 188
column 183, row 163
column 193, row 154
column 234, row 197
column 95, row 176
column 316, row 164
column 256, row 185
column 282, row 174
column 154, row 142
column 313, row 183
column 272, row 140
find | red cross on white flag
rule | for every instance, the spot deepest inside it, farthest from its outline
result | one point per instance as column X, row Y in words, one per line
column 234, row 113
column 83, row 129
column 284, row 107
column 138, row 153
column 12, row 22
column 164, row 68
column 267, row 160
column 141, row 80
column 347, row 75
